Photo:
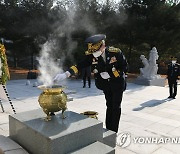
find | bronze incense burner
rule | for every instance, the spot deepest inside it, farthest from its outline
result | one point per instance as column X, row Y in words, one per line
column 52, row 99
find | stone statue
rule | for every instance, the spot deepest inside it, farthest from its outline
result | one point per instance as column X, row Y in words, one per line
column 146, row 66
column 149, row 71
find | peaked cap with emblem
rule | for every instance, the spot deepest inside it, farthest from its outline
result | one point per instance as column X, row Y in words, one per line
column 94, row 42
column 95, row 38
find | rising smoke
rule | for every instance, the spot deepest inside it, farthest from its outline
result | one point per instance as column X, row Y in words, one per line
column 64, row 28
column 48, row 65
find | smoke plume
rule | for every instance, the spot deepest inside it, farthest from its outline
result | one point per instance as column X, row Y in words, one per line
column 48, row 67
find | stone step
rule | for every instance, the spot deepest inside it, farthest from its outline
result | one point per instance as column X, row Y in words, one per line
column 109, row 137
column 57, row 136
column 95, row 148
column 8, row 146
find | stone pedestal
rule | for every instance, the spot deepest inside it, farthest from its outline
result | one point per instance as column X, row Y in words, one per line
column 57, row 136
column 8, row 146
column 109, row 137
column 154, row 82
column 96, row 148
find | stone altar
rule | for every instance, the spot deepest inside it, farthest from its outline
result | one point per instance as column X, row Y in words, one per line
column 58, row 136
column 148, row 74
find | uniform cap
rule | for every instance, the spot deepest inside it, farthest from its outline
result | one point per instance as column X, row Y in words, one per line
column 95, row 38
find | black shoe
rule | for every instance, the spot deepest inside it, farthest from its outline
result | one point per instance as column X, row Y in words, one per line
column 174, row 97
column 84, row 86
column 170, row 97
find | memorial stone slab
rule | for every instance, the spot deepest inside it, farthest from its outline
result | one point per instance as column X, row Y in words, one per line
column 57, row 136
column 95, row 148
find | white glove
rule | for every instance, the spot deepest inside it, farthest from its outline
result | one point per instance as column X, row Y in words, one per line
column 61, row 76
column 105, row 75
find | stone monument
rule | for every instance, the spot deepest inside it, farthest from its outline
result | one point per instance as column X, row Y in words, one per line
column 76, row 133
column 148, row 74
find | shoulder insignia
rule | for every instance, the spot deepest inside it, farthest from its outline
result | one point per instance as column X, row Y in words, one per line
column 113, row 49
column 74, row 68
column 87, row 53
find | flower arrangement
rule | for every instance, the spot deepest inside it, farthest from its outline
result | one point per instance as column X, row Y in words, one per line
column 4, row 66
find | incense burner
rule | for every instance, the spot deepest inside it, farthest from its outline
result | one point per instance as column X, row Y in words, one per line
column 51, row 100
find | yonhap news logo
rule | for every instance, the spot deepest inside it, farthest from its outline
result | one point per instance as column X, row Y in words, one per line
column 125, row 139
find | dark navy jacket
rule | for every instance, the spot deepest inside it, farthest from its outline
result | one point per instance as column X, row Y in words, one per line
column 173, row 71
column 114, row 60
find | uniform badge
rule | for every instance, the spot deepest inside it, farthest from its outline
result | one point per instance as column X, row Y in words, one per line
column 115, row 72
column 113, row 59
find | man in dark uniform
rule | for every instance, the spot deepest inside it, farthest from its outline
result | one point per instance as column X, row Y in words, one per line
column 109, row 66
column 86, row 74
column 172, row 75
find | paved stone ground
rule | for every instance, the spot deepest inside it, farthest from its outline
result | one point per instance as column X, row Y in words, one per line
column 146, row 112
